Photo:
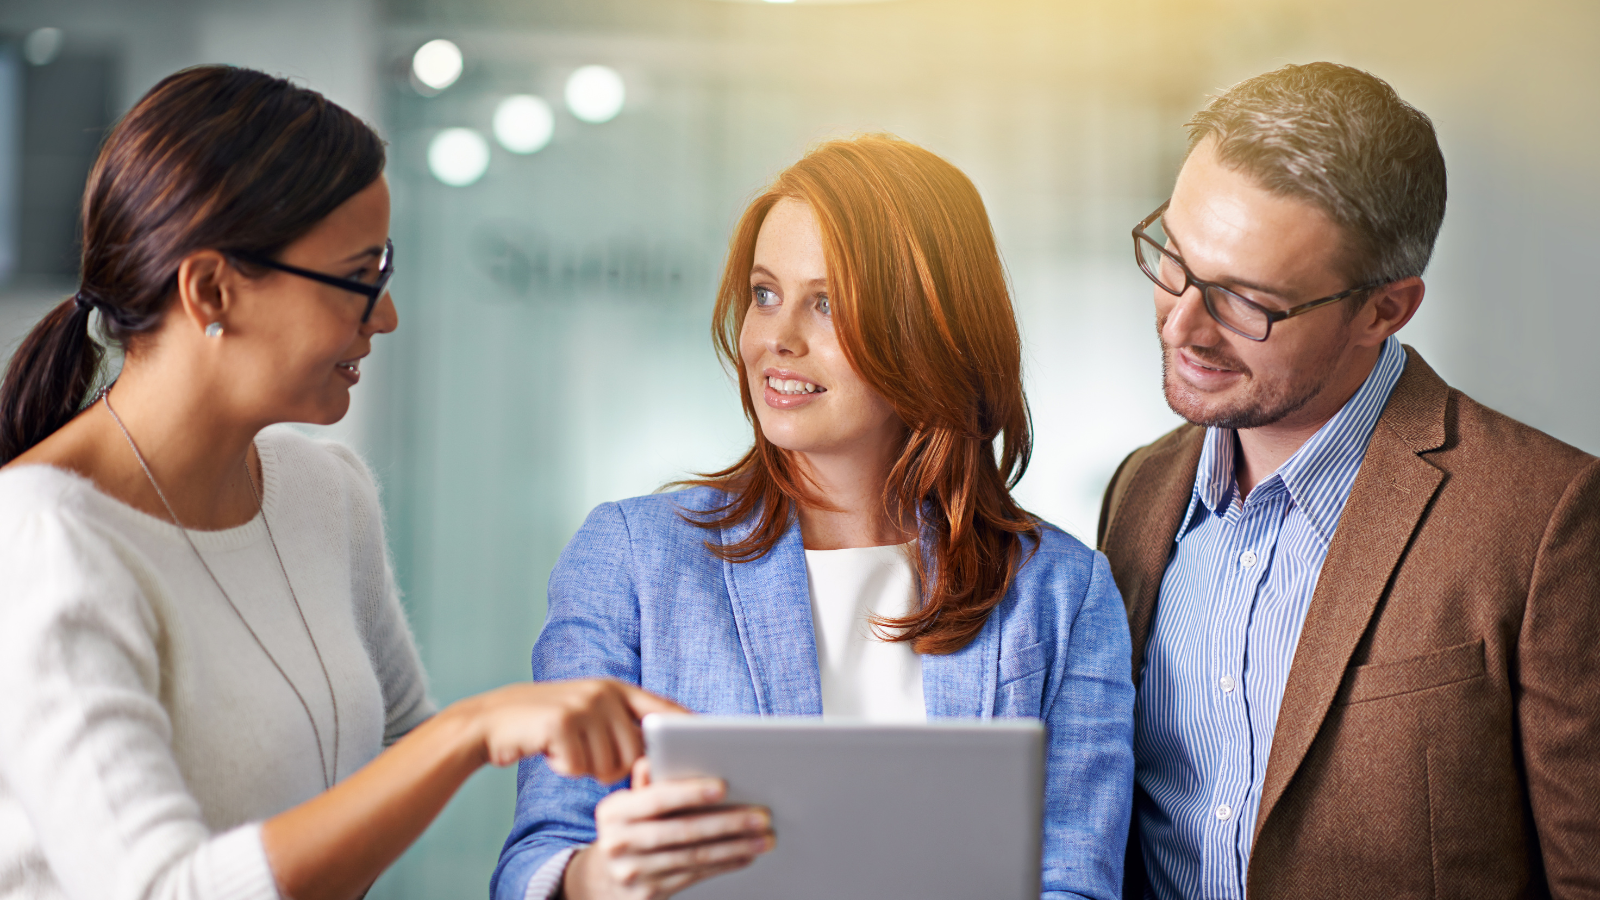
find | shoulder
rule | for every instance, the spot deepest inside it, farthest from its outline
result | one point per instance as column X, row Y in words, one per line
column 1481, row 434
column 1174, row 446
column 321, row 487
column 1058, row 564
column 63, row 544
column 665, row 515
column 1052, row 547
column 293, row 448
column 651, row 539
column 652, row 530
column 1479, row 448
column 1494, row 462
column 1165, row 465
column 34, row 495
column 1488, row 458
column 31, row 488
column 1064, row 588
column 320, row 467
column 692, row 500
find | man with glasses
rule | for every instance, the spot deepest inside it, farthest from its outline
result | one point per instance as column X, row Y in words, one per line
column 1365, row 609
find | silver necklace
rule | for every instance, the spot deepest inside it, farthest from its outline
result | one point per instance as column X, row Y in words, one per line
column 328, row 778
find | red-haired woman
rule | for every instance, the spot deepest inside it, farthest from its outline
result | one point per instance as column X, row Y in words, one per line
column 865, row 309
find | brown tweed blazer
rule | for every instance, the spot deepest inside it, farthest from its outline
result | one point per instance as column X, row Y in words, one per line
column 1440, row 729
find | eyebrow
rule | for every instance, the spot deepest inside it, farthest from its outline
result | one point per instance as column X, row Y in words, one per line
column 763, row 270
column 1230, row 282
column 360, row 254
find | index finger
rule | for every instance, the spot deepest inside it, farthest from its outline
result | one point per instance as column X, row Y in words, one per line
column 642, row 702
column 661, row 798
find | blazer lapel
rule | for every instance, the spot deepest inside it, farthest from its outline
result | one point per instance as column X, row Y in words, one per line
column 1390, row 495
column 1143, row 525
column 772, row 610
column 963, row 684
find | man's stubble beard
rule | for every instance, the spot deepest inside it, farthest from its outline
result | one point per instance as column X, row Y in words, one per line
column 1262, row 405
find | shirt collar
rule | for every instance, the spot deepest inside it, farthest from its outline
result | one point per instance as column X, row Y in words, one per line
column 1320, row 474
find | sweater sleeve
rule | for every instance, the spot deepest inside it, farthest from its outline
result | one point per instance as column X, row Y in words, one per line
column 379, row 614
column 85, row 743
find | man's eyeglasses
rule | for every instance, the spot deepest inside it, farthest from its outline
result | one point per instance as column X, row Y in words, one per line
column 1240, row 315
column 372, row 291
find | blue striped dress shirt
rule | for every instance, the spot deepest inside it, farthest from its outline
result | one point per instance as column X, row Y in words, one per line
column 1232, row 602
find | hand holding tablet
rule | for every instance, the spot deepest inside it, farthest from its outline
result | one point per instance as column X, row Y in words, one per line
column 656, row 838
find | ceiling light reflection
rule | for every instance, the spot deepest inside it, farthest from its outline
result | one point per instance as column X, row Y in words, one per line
column 437, row 64
column 595, row 93
column 458, row 156
column 523, row 123
column 42, row 46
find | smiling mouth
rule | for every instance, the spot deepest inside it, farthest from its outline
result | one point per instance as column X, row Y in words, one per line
column 793, row 386
column 1195, row 361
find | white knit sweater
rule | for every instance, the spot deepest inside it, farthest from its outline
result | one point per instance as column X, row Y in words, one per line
column 144, row 735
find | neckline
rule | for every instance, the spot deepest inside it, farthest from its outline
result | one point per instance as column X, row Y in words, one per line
column 877, row 548
column 221, row 539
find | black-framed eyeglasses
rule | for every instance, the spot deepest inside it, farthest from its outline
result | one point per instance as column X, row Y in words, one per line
column 1240, row 315
column 372, row 291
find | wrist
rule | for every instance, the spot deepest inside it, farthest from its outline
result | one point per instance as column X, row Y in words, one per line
column 464, row 725
column 574, row 881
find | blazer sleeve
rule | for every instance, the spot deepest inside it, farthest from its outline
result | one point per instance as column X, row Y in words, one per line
column 1089, row 763
column 591, row 631
column 1558, row 673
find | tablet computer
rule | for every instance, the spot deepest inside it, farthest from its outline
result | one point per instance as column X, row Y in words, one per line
column 947, row 810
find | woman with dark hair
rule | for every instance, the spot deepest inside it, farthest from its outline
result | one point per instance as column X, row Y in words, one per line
column 202, row 651
column 865, row 558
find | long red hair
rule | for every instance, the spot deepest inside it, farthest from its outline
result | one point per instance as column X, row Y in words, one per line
column 920, row 303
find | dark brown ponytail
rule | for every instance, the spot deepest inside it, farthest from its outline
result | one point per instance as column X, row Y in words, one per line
column 214, row 157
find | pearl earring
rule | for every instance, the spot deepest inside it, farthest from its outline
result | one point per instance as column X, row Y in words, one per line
column 214, row 330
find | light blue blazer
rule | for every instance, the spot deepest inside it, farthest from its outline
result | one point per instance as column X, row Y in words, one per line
column 636, row 596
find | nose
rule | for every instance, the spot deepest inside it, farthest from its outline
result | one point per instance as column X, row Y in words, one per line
column 1184, row 319
column 784, row 336
column 384, row 319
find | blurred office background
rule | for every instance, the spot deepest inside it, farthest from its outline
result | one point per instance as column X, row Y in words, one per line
column 556, row 272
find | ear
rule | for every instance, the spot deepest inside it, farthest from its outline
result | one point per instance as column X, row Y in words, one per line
column 206, row 288
column 1388, row 310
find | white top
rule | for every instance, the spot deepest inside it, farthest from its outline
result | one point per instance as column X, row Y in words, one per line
column 143, row 734
column 864, row 676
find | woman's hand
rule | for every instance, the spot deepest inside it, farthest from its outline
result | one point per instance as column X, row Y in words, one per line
column 588, row 727
column 333, row 846
column 657, row 839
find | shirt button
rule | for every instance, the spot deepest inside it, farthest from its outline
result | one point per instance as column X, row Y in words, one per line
column 1247, row 558
column 1226, row 682
column 1223, row 811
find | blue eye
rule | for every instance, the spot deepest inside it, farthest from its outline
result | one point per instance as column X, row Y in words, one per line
column 823, row 305
column 763, row 296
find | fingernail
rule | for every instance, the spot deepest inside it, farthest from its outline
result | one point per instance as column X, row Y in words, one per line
column 758, row 821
